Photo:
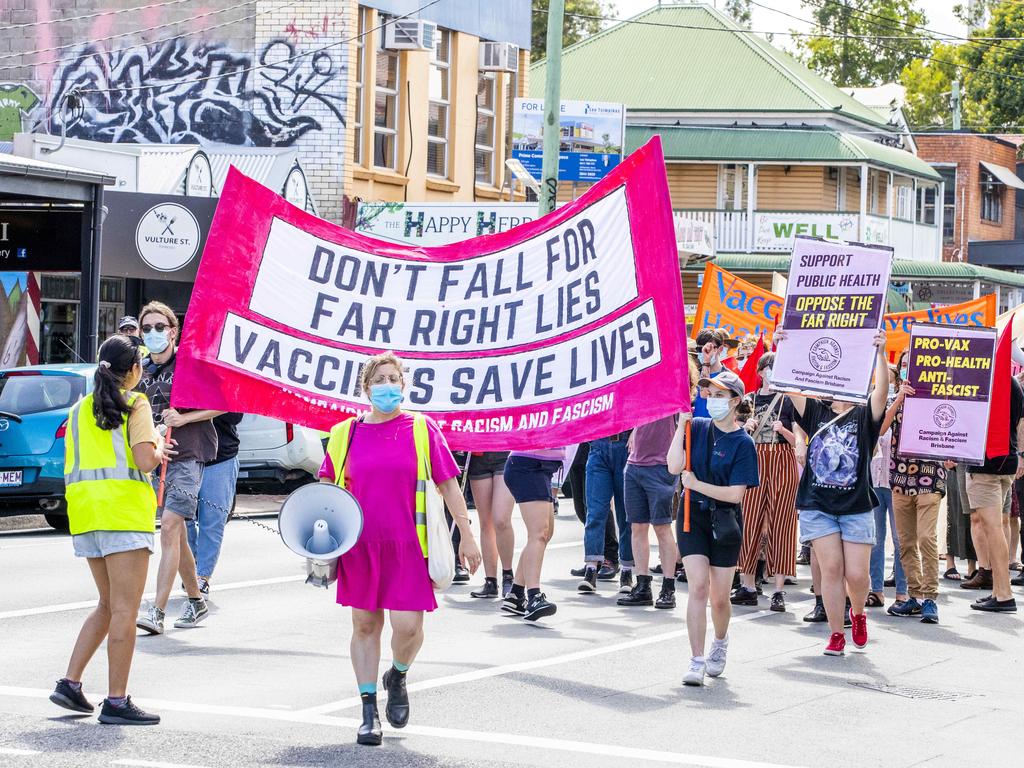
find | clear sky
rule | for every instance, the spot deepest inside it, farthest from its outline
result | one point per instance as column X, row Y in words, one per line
column 939, row 12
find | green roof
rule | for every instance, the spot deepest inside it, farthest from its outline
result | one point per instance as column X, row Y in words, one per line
column 902, row 269
column 712, row 67
column 732, row 145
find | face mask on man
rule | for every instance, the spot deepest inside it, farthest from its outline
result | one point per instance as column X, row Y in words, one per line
column 705, row 360
column 718, row 408
column 386, row 397
column 156, row 341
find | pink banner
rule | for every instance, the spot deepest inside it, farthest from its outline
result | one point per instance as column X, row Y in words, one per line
column 564, row 329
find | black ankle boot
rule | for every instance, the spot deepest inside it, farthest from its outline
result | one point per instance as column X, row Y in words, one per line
column 640, row 594
column 370, row 733
column 397, row 709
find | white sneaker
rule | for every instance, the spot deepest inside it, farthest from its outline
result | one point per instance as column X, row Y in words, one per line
column 695, row 674
column 716, row 659
column 152, row 621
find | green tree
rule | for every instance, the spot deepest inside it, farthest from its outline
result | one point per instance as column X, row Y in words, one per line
column 994, row 84
column 929, row 83
column 739, row 10
column 576, row 27
column 843, row 55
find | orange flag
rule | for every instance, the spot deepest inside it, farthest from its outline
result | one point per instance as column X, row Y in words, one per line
column 980, row 311
column 733, row 304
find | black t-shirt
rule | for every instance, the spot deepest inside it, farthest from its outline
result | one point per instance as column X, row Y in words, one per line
column 733, row 459
column 837, row 479
column 783, row 411
column 227, row 436
column 1007, row 465
column 196, row 441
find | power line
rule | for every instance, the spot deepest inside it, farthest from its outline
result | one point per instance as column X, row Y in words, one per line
column 812, row 129
column 42, row 22
column 255, row 67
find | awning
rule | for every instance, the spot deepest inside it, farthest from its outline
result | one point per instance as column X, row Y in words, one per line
column 1003, row 175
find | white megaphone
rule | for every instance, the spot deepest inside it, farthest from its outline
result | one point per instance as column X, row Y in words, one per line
column 320, row 522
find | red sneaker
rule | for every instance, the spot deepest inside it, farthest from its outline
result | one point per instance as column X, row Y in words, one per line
column 836, row 645
column 860, row 628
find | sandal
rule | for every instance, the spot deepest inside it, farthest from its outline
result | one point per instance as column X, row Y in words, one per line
column 874, row 601
column 952, row 575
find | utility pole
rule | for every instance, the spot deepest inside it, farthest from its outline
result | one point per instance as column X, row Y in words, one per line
column 552, row 108
column 954, row 104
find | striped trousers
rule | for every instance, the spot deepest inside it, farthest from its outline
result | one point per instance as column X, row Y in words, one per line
column 771, row 506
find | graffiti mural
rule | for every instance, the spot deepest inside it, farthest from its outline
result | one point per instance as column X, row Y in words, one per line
column 15, row 100
column 187, row 91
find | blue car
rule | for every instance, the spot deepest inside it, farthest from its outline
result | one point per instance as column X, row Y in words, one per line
column 34, row 405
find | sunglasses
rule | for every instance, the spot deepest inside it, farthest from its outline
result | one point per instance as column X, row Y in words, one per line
column 159, row 328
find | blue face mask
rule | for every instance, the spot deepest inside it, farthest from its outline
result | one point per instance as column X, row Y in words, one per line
column 719, row 407
column 386, row 397
column 156, row 341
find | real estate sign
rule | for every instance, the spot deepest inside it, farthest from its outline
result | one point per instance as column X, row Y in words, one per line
column 592, row 134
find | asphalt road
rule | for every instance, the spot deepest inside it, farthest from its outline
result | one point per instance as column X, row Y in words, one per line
column 266, row 681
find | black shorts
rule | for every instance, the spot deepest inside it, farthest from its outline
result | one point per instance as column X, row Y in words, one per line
column 487, row 464
column 700, row 541
column 529, row 479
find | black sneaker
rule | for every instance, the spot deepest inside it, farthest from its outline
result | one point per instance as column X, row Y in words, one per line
column 817, row 614
column 680, row 573
column 489, row 589
column 625, row 582
column 608, row 571
column 778, row 602
column 538, row 607
column 640, row 595
column 667, row 597
column 204, row 586
column 506, row 586
column 64, row 695
column 744, row 596
column 656, row 570
column 578, row 572
column 128, row 714
column 461, row 574
column 1018, row 580
column 804, row 558
column 891, row 581
column 513, row 604
column 991, row 605
column 589, row 583
column 397, row 708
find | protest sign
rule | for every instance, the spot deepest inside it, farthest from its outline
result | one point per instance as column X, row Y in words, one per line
column 832, row 313
column 735, row 305
column 950, row 369
column 981, row 311
column 564, row 329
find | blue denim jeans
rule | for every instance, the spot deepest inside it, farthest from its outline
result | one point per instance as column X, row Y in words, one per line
column 206, row 530
column 606, row 466
column 884, row 516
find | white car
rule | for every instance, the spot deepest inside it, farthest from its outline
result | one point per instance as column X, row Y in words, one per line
column 274, row 452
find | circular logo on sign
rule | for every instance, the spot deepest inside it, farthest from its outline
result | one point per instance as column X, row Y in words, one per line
column 4, row 424
column 167, row 237
column 944, row 416
column 825, row 354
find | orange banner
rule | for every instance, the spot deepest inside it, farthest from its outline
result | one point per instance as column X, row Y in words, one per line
column 981, row 311
column 731, row 303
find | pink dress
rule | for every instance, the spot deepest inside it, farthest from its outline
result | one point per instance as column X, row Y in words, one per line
column 386, row 568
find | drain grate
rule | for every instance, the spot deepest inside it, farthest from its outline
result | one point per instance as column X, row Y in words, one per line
column 914, row 692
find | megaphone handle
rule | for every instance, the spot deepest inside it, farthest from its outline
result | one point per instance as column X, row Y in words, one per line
column 163, row 472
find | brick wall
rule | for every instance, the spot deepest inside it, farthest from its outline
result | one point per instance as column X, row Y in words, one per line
column 967, row 152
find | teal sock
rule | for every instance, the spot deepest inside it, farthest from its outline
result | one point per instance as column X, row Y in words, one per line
column 367, row 688
column 403, row 668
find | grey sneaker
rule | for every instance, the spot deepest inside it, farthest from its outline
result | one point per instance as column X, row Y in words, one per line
column 152, row 621
column 193, row 613
column 716, row 659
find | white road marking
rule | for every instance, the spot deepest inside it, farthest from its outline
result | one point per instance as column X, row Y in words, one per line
column 522, row 666
column 19, row 752
column 59, row 608
column 153, row 764
column 457, row 734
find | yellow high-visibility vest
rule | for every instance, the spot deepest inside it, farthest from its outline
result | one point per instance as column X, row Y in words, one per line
column 337, row 448
column 104, row 488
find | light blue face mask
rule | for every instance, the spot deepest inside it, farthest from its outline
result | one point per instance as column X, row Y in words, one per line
column 386, row 397
column 719, row 407
column 156, row 341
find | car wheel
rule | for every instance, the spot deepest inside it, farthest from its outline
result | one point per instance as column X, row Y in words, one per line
column 58, row 522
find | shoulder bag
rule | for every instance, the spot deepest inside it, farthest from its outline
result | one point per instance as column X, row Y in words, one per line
column 725, row 523
column 440, row 552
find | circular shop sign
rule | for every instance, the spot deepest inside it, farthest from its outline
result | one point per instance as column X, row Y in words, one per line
column 167, row 237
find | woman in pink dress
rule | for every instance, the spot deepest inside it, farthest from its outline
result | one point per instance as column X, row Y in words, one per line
column 386, row 569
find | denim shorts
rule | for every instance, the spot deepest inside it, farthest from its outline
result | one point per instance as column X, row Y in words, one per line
column 529, row 479
column 181, row 487
column 103, row 543
column 648, row 492
column 856, row 529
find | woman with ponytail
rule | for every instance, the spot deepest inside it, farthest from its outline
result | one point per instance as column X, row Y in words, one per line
column 111, row 444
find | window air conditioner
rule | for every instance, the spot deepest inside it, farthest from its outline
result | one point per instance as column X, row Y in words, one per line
column 410, row 35
column 499, row 57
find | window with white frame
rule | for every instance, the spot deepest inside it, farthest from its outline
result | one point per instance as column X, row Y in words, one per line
column 904, row 203
column 732, row 187
column 486, row 126
column 438, row 118
column 357, row 133
column 385, row 104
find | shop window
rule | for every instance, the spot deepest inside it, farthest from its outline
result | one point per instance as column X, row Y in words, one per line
column 357, row 133
column 386, row 104
column 486, row 124
column 991, row 198
column 439, row 116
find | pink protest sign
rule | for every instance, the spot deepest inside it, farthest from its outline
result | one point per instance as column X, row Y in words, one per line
column 564, row 329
